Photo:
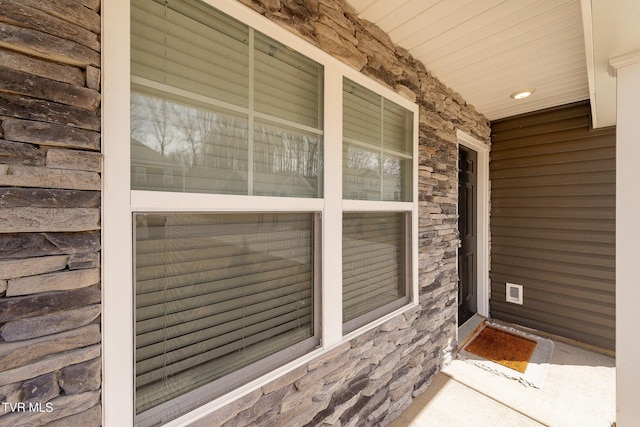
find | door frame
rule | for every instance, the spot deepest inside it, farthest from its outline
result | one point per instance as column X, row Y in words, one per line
column 482, row 215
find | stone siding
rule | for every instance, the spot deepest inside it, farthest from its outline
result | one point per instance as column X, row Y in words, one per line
column 50, row 165
column 370, row 380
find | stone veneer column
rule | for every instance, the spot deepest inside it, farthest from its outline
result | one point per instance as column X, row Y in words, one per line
column 370, row 380
column 50, row 165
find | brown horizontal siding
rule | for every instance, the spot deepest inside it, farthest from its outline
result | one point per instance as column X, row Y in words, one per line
column 596, row 314
column 550, row 115
column 553, row 223
column 559, row 266
column 539, row 244
column 597, row 165
column 558, row 159
column 556, row 181
column 556, row 223
column 551, row 138
column 599, row 301
column 574, row 328
column 558, row 256
column 553, row 212
column 571, row 123
column 581, row 144
column 541, row 203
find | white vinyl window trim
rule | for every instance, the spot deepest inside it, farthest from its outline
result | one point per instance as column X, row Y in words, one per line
column 117, row 319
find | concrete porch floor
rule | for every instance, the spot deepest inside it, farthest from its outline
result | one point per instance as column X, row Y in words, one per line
column 579, row 391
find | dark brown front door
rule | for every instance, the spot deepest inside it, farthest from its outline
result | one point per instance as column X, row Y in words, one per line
column 467, row 224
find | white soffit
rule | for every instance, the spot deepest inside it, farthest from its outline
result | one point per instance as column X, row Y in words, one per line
column 487, row 49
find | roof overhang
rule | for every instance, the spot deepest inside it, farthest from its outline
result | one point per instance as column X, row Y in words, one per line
column 486, row 50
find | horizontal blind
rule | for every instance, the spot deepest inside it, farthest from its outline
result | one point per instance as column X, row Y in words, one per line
column 398, row 128
column 190, row 47
column 361, row 114
column 215, row 293
column 373, row 261
column 287, row 84
column 208, row 94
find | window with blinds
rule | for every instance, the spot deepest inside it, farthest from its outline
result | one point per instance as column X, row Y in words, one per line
column 219, row 106
column 221, row 298
column 377, row 146
column 377, row 167
column 227, row 289
column 214, row 294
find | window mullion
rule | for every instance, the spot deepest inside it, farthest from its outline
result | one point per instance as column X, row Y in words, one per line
column 332, row 231
column 250, row 147
column 321, row 121
column 382, row 148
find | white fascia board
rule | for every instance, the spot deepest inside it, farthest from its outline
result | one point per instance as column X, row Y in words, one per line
column 587, row 28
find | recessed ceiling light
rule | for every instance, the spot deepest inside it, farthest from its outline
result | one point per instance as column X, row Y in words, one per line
column 521, row 94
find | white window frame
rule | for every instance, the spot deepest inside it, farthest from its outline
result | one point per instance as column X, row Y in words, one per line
column 381, row 206
column 119, row 201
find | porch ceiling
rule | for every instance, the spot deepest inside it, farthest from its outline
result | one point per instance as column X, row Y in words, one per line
column 488, row 49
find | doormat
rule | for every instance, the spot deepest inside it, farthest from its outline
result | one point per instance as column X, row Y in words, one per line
column 509, row 352
column 503, row 347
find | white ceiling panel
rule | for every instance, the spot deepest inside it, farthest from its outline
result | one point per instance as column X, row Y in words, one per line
column 487, row 49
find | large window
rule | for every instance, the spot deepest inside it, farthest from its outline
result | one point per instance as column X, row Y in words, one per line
column 377, row 166
column 220, row 298
column 272, row 205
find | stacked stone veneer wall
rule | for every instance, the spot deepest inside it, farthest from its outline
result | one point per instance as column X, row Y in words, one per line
column 370, row 380
column 50, row 184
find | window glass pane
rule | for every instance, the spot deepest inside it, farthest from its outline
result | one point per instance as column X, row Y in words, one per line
column 204, row 106
column 287, row 85
column 287, row 161
column 361, row 114
column 216, row 293
column 204, row 150
column 397, row 178
column 398, row 128
column 190, row 46
column 377, row 146
column 361, row 173
column 373, row 262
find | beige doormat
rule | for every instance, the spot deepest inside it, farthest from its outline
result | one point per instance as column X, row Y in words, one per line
column 509, row 352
